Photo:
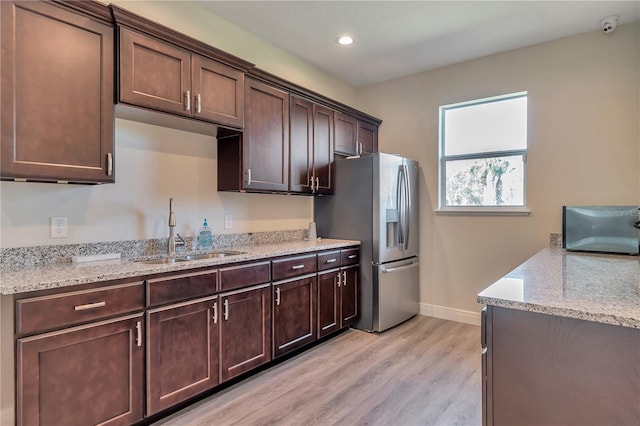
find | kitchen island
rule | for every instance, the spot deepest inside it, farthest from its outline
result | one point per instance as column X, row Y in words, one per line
column 561, row 339
column 125, row 323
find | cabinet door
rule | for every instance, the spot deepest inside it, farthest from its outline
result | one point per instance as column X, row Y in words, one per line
column 154, row 74
column 245, row 330
column 57, row 94
column 349, row 296
column 218, row 92
column 323, row 148
column 345, row 133
column 266, row 138
column 301, row 160
column 294, row 314
column 182, row 352
column 84, row 375
column 367, row 137
column 328, row 303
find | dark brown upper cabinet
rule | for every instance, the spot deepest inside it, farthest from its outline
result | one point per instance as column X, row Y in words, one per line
column 57, row 92
column 163, row 70
column 354, row 136
column 367, row 137
column 161, row 76
column 311, row 147
column 258, row 160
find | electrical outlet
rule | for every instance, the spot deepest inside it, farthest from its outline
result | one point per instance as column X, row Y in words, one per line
column 58, row 227
column 228, row 221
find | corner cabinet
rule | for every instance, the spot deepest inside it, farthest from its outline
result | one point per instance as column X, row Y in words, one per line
column 258, row 160
column 57, row 92
column 161, row 76
column 354, row 136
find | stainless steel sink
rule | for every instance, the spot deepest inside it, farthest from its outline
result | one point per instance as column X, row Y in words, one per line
column 168, row 261
column 162, row 261
column 212, row 255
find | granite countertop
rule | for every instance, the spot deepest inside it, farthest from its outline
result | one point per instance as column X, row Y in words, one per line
column 25, row 279
column 594, row 287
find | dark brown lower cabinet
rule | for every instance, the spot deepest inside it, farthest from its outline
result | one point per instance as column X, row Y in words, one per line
column 245, row 330
column 328, row 302
column 337, row 299
column 349, row 296
column 549, row 370
column 182, row 352
column 294, row 314
column 91, row 374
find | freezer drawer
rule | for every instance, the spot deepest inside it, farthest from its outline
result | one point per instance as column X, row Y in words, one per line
column 397, row 295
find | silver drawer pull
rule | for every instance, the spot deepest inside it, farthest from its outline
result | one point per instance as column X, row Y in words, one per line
column 353, row 256
column 297, row 267
column 331, row 260
column 89, row 306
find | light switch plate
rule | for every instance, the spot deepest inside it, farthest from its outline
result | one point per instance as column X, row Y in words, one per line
column 228, row 221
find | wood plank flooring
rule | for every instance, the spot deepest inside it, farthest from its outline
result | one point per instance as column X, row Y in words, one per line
column 423, row 372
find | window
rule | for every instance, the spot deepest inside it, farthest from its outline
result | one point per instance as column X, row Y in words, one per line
column 483, row 153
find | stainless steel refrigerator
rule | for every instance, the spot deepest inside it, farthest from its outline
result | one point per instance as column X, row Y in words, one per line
column 376, row 201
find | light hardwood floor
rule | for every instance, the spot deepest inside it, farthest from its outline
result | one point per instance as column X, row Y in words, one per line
column 423, row 372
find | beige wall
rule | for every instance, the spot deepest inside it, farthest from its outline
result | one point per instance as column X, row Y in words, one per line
column 583, row 149
column 155, row 163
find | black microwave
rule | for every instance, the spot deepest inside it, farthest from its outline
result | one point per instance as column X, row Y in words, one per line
column 603, row 229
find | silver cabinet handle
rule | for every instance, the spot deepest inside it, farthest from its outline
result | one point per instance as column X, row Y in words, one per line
column 226, row 310
column 331, row 260
column 277, row 296
column 89, row 306
column 317, row 183
column 139, row 334
column 353, row 256
column 297, row 267
column 109, row 164
column 344, row 275
column 215, row 312
column 187, row 100
column 311, row 184
column 248, row 177
column 198, row 103
column 339, row 279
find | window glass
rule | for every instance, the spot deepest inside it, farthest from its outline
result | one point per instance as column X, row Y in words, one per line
column 483, row 152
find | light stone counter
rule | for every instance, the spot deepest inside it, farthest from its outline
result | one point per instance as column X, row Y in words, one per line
column 593, row 287
column 25, row 279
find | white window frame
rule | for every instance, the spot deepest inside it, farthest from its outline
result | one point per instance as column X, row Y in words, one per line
column 479, row 210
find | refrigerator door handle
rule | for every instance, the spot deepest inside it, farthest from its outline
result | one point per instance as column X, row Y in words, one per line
column 400, row 207
column 399, row 268
column 407, row 211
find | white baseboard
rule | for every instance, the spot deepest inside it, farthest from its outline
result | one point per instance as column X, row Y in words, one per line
column 450, row 314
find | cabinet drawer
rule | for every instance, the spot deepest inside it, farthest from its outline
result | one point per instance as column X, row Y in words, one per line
column 350, row 256
column 244, row 275
column 294, row 266
column 329, row 260
column 60, row 310
column 181, row 287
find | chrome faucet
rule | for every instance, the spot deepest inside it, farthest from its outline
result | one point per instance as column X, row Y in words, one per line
column 172, row 224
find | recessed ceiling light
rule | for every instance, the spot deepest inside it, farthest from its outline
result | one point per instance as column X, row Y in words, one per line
column 345, row 40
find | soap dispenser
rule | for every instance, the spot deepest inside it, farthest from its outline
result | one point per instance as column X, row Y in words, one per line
column 205, row 240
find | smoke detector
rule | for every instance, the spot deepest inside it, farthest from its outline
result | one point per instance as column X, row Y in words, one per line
column 609, row 24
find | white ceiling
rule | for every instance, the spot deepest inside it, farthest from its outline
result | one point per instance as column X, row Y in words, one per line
column 398, row 38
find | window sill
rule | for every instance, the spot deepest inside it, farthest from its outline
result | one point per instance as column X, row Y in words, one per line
column 483, row 211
